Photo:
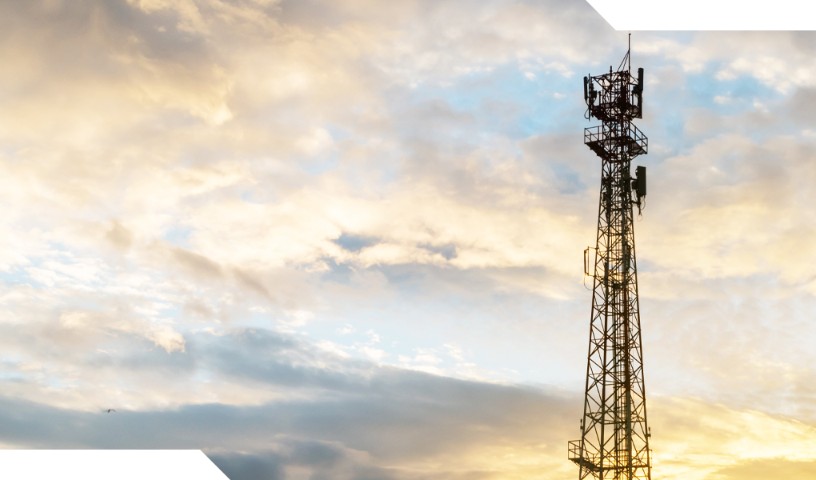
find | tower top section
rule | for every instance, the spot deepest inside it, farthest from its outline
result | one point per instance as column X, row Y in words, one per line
column 615, row 98
column 617, row 95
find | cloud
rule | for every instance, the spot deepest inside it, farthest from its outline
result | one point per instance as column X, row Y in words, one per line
column 362, row 418
column 205, row 192
column 392, row 423
column 776, row 59
column 767, row 468
column 701, row 440
column 735, row 211
column 261, row 466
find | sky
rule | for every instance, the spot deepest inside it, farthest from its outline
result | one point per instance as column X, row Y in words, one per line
column 343, row 240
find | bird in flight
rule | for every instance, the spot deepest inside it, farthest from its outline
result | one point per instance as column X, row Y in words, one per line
column 110, row 410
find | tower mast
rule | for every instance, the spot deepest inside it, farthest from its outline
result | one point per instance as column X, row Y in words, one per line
column 614, row 442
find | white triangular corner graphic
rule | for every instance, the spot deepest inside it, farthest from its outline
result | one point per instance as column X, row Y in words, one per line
column 108, row 464
column 632, row 15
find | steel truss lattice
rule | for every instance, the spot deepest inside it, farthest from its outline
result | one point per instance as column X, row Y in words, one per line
column 614, row 442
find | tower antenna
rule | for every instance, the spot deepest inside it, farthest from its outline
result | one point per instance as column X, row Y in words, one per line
column 614, row 442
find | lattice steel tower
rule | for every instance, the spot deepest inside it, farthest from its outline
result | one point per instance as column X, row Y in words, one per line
column 614, row 442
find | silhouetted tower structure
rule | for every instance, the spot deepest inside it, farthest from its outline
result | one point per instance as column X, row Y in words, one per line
column 614, row 442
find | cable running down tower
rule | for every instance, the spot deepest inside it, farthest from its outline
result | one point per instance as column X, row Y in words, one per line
column 614, row 442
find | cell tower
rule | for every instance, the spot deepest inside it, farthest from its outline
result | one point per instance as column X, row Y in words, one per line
column 614, row 442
